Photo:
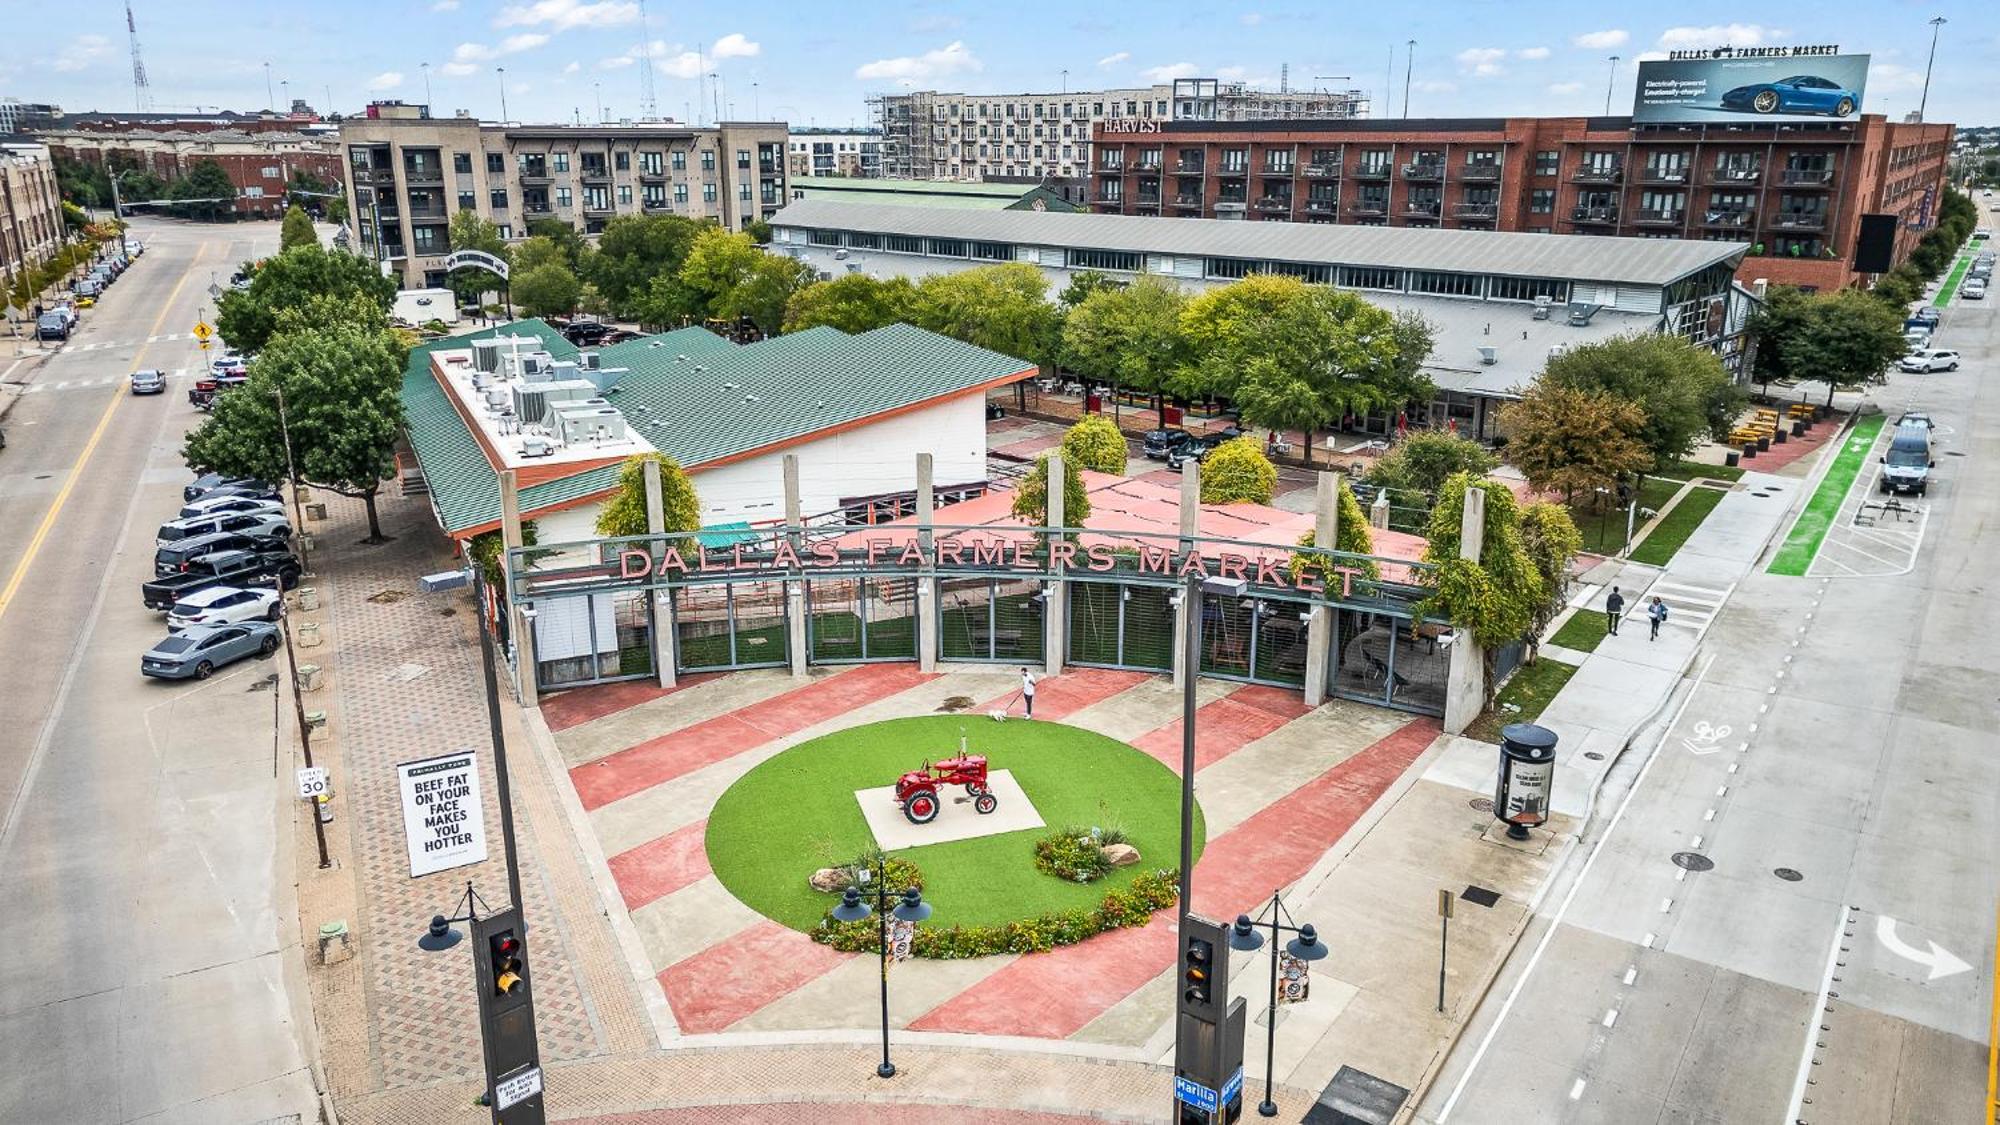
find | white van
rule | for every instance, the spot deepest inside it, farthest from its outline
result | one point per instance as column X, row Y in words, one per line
column 1908, row 464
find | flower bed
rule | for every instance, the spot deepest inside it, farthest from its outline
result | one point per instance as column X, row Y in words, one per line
column 1133, row 905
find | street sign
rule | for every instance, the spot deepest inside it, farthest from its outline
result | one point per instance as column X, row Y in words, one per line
column 202, row 331
column 313, row 782
column 1197, row 1095
column 443, row 820
column 1232, row 1087
column 204, row 345
column 516, row 1087
column 214, row 292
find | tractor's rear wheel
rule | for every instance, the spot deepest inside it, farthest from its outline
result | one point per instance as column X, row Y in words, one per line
column 921, row 808
column 985, row 803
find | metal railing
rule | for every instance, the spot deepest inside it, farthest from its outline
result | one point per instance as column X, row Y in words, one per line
column 1805, row 177
column 1659, row 216
column 1595, row 175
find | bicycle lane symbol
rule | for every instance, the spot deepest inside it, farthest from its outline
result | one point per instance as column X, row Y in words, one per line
column 1707, row 737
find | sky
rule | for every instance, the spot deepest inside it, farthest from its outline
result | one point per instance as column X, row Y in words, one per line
column 816, row 63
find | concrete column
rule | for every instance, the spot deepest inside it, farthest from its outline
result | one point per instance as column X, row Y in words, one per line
column 1319, row 622
column 663, row 603
column 1055, row 606
column 927, row 618
column 519, row 625
column 1190, row 527
column 795, row 586
column 1465, row 692
column 1378, row 512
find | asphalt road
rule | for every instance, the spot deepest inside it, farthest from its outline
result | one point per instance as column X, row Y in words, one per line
column 1834, row 964
column 145, row 857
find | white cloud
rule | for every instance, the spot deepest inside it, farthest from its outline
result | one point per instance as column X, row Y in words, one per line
column 466, row 53
column 735, row 46
column 1169, row 72
column 1114, row 59
column 445, row 6
column 952, row 58
column 1601, row 40
column 82, row 51
column 1251, row 19
column 514, row 44
column 1481, row 62
column 682, row 64
column 1650, row 56
column 572, row 68
column 387, row 80
column 619, row 61
column 472, row 52
column 1532, row 53
column 457, row 69
column 1886, row 77
column 672, row 61
column 1566, row 88
column 1717, row 35
column 563, row 15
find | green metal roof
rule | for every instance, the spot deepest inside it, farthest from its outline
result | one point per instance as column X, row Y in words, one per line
column 724, row 535
column 932, row 193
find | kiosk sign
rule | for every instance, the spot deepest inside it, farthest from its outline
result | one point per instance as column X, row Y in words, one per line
column 442, row 818
column 1527, row 776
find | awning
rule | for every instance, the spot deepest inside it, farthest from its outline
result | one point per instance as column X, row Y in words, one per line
column 722, row 536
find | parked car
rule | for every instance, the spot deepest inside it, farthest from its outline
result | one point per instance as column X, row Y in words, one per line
column 181, row 554
column 619, row 336
column 1916, row 418
column 1156, row 444
column 230, row 568
column 1930, row 359
column 1974, row 289
column 209, row 482
column 586, row 333
column 1197, row 448
column 224, row 605
column 149, row 382
column 52, row 326
column 269, row 523
column 199, row 651
column 86, row 301
column 1926, row 318
column 220, row 501
column 227, row 363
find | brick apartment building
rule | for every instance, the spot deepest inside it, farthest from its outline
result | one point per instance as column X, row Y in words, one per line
column 31, row 222
column 260, row 164
column 1794, row 192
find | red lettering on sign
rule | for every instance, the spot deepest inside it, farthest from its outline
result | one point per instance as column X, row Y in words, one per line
column 1101, row 557
column 785, row 556
column 1193, row 563
column 1232, row 565
column 1154, row 560
column 912, row 555
column 1061, row 554
column 736, row 556
column 1308, row 582
column 672, row 561
column 1347, row 574
column 949, row 550
column 826, row 552
column 634, row 564
column 875, row 549
column 988, row 552
column 1267, row 573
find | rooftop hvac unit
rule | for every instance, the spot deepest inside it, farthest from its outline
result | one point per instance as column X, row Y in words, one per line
column 498, row 399
column 536, row 364
column 562, row 370
column 530, row 403
column 533, row 446
column 604, row 378
column 1489, row 355
column 602, row 424
column 1581, row 312
column 1542, row 304
column 486, row 355
column 588, row 361
column 567, row 390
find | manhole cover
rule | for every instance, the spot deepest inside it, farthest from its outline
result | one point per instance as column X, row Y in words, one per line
column 1479, row 804
column 1787, row 874
column 388, row 597
column 1591, row 754
column 1484, row 896
column 1693, row 861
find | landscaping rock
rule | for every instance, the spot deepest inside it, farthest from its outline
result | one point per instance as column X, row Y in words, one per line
column 829, row 879
column 1121, row 855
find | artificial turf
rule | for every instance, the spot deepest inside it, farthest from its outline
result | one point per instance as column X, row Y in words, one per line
column 797, row 813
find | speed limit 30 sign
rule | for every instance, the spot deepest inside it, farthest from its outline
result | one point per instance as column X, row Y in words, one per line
column 313, row 783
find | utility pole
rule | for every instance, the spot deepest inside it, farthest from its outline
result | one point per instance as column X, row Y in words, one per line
column 1409, row 64
column 502, row 72
column 597, row 88
column 426, row 68
column 1609, row 84
column 1936, row 22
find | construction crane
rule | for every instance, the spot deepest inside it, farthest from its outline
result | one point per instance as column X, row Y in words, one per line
column 142, row 92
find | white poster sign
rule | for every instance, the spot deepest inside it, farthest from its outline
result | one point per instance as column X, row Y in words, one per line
column 517, row 1087
column 442, row 818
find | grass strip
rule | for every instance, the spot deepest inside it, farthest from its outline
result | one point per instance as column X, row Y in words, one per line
column 1584, row 631
column 1694, row 470
column 1674, row 528
column 1527, row 693
column 1802, row 543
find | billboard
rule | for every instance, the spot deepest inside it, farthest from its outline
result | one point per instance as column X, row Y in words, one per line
column 1734, row 89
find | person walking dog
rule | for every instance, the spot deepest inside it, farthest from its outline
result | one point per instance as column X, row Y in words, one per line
column 1614, row 607
column 1028, row 691
column 1657, row 613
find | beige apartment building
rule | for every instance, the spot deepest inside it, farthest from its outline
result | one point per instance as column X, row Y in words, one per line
column 409, row 173
column 31, row 225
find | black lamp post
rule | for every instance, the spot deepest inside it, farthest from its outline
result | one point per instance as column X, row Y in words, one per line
column 911, row 908
column 1306, row 947
column 439, row 935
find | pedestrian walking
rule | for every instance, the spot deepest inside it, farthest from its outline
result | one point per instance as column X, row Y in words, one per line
column 1028, row 691
column 1657, row 613
column 1614, row 607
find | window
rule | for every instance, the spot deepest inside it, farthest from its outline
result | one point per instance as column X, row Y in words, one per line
column 904, row 244
column 653, row 195
column 1482, row 158
column 863, row 240
column 1233, row 268
column 681, row 194
column 1101, row 260
column 428, row 240
column 461, row 162
column 992, row 251
column 743, row 159
column 625, row 195
column 506, row 231
column 272, row 171
column 1542, row 201
column 823, row 237
column 1529, row 288
column 562, row 197
column 743, row 191
column 1447, row 284
column 596, row 199
column 649, row 163
column 467, row 201
column 708, row 193
column 559, row 161
column 496, row 164
column 1236, row 160
column 498, row 198
column 1315, row 275
column 948, row 247
column 1547, row 161
column 1366, row 277
column 680, row 160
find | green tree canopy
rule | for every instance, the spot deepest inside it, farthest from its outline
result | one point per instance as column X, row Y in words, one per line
column 853, row 302
column 324, row 312
column 1352, row 534
column 536, row 251
column 565, row 235
column 1420, row 463
column 1493, row 599
column 1237, row 472
column 1845, row 339
column 1082, row 284
column 1095, row 444
column 343, row 409
column 1031, row 499
column 624, row 513
column 1552, row 542
column 297, row 230
column 547, row 290
column 731, row 277
column 632, row 252
column 1572, row 442
column 208, row 181
column 246, row 318
column 1128, row 336
column 1682, row 389
column 470, row 232
column 1004, row 308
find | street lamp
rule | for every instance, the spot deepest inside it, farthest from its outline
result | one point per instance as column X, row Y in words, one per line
column 1305, row 947
column 1190, row 668
column 912, row 908
column 1936, row 22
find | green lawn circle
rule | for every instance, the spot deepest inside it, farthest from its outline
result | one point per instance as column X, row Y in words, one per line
column 797, row 813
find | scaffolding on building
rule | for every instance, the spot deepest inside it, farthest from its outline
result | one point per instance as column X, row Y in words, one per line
column 909, row 128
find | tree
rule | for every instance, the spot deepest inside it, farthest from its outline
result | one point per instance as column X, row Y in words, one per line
column 1551, row 540
column 247, row 317
column 1573, row 442
column 343, row 410
column 537, row 251
column 632, row 252
column 208, row 182
column 485, row 549
column 1682, row 389
column 1899, row 288
column 1352, row 535
column 1845, row 339
column 470, row 232
column 1095, row 444
column 1420, row 463
column 1783, row 314
column 325, row 312
column 1082, row 284
column 297, row 230
column 624, row 512
column 336, row 210
column 731, row 278
column 1237, row 472
column 852, row 302
column 1031, row 500
column 1002, row 308
column 592, row 301
column 1493, row 599
column 564, row 235
column 759, row 231
column 307, row 180
column 1128, row 336
column 547, row 290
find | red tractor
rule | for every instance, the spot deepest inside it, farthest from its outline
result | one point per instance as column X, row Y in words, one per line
column 917, row 790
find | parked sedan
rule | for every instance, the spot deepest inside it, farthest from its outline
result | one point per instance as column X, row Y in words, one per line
column 223, row 605
column 263, row 522
column 148, row 382
column 224, row 501
column 199, row 651
column 1973, row 290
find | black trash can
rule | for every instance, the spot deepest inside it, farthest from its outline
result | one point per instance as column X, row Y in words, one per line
column 1780, row 436
column 1732, row 459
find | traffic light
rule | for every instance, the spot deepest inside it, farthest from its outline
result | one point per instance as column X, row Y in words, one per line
column 507, row 1018
column 507, row 964
column 1198, row 973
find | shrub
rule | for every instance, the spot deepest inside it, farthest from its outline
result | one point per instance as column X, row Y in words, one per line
column 1237, row 472
column 901, row 873
column 1074, row 855
column 1133, row 905
column 1095, row 444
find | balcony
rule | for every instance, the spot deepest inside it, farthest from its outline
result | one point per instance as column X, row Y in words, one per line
column 1476, row 212
column 1422, row 209
column 1594, row 216
column 1805, row 177
column 1279, row 171
column 1479, row 173
column 656, row 206
column 1274, row 203
column 536, row 208
column 646, row 176
column 1652, row 174
column 1145, row 199
column 1323, row 206
column 1188, row 199
column 1370, row 208
column 1659, row 217
column 1798, row 220
column 1189, row 167
column 1611, row 174
column 1423, row 170
column 384, row 176
column 428, row 214
column 1371, row 172
column 1110, row 169
column 1108, row 199
column 535, row 178
column 1727, row 177
column 1725, row 217
column 423, row 175
column 1145, row 165
column 597, row 207
column 1322, row 171
column 1233, row 171
column 769, row 170
column 595, row 175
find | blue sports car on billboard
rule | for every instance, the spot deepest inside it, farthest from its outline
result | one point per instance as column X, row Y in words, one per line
column 1804, row 93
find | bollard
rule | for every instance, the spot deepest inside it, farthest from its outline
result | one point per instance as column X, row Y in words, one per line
column 1749, row 450
column 308, row 597
column 1780, row 437
column 308, row 634
column 1763, row 443
column 1799, row 427
column 308, row 677
column 333, row 947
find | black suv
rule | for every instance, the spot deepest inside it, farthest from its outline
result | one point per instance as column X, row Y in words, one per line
column 586, row 333
column 176, row 557
column 230, row 568
column 1157, row 444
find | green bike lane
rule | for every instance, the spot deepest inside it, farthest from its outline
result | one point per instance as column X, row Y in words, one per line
column 1803, row 542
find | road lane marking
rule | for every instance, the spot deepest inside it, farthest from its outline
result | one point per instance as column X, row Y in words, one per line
column 1993, row 1033
column 1576, row 1091
column 1813, row 1018
column 82, row 461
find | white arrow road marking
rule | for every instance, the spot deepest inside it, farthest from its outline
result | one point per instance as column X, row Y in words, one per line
column 1940, row 960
